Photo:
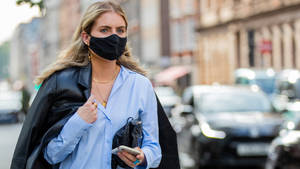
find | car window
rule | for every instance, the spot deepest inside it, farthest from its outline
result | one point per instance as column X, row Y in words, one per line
column 242, row 81
column 267, row 85
column 233, row 102
column 164, row 91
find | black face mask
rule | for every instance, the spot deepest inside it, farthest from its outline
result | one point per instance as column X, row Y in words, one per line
column 111, row 47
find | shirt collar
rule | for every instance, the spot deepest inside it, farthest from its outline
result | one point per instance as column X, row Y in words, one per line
column 124, row 72
column 85, row 73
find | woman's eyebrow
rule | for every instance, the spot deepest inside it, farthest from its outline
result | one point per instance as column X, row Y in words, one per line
column 121, row 27
column 106, row 26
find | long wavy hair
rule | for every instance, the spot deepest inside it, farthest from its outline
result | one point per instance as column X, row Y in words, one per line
column 76, row 54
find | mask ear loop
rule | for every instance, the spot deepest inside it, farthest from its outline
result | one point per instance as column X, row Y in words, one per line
column 89, row 54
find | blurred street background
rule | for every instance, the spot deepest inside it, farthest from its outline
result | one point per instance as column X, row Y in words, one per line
column 227, row 72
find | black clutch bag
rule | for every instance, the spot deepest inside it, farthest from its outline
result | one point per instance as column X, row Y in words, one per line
column 131, row 135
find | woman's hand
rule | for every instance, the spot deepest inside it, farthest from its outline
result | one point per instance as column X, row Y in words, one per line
column 129, row 159
column 88, row 112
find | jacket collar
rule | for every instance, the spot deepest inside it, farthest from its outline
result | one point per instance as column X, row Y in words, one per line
column 84, row 79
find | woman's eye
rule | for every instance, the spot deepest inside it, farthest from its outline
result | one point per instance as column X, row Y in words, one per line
column 103, row 30
column 121, row 31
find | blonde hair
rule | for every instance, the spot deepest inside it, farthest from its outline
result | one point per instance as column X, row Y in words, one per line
column 77, row 53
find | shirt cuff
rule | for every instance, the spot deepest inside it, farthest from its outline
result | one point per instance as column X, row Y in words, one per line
column 74, row 128
column 147, row 157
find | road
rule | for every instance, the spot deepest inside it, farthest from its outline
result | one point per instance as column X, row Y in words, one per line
column 9, row 134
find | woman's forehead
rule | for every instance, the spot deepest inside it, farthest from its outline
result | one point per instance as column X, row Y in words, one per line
column 112, row 19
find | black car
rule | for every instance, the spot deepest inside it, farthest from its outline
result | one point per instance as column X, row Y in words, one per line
column 231, row 126
column 284, row 151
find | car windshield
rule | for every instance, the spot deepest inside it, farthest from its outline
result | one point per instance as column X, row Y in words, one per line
column 267, row 85
column 232, row 102
column 164, row 91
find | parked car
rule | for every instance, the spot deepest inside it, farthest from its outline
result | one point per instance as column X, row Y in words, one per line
column 264, row 78
column 168, row 98
column 284, row 151
column 288, row 84
column 10, row 106
column 231, row 126
column 287, row 89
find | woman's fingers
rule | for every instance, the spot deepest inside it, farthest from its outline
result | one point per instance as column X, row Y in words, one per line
column 88, row 111
column 95, row 104
column 141, row 156
column 129, row 156
column 91, row 99
column 92, row 102
column 126, row 159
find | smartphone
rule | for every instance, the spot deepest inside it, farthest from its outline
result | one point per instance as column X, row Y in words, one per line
column 127, row 149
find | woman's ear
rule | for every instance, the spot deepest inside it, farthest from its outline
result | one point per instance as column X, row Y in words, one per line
column 85, row 38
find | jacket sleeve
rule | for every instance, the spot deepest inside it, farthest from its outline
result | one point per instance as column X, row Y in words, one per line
column 150, row 145
column 167, row 141
column 64, row 144
column 33, row 127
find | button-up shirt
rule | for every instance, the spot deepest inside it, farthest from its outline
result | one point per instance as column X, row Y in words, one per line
column 81, row 145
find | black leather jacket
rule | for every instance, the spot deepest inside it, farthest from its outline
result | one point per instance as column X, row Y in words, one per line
column 56, row 101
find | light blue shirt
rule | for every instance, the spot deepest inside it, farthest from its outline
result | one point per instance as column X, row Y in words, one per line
column 81, row 145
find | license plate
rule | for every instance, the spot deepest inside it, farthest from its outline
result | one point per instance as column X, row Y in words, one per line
column 253, row 149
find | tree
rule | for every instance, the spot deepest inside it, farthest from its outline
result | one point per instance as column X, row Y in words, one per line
column 39, row 3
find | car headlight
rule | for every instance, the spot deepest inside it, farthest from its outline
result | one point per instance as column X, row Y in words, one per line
column 211, row 133
column 290, row 125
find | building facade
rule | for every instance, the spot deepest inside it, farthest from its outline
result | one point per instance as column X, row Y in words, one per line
column 144, row 31
column 4, row 60
column 26, row 50
column 183, row 18
column 246, row 33
column 37, row 44
column 161, row 34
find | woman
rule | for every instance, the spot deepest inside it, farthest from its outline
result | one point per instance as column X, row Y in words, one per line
column 86, row 96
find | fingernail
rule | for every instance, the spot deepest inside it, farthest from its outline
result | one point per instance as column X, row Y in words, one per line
column 136, row 161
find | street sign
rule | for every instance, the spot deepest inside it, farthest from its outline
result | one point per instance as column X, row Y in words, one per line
column 265, row 47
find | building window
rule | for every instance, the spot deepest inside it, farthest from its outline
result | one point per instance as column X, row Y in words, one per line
column 251, row 45
column 294, row 45
column 282, row 52
column 238, row 49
